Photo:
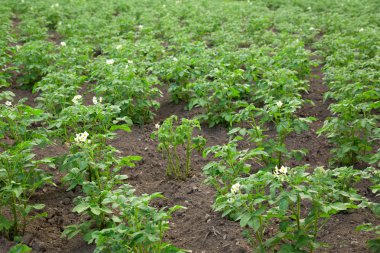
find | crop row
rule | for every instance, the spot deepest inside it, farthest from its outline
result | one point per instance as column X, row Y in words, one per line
column 244, row 65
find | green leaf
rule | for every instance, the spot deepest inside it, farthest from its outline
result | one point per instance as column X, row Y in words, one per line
column 374, row 245
column 81, row 207
column 5, row 224
column 123, row 127
column 96, row 210
column 128, row 160
column 20, row 248
column 17, row 190
column 288, row 248
column 38, row 206
column 88, row 236
column 244, row 219
column 339, row 206
column 284, row 205
column 303, row 241
column 116, row 219
column 284, row 225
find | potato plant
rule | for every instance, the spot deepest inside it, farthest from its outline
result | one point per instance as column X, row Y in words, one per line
column 266, row 199
column 118, row 218
column 20, row 177
column 174, row 137
column 17, row 120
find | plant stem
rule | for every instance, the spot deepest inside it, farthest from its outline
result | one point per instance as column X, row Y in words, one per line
column 14, row 214
column 188, row 153
column 298, row 212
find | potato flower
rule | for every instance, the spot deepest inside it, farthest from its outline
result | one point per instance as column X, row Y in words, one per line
column 8, row 103
column 81, row 137
column 76, row 99
column 235, row 188
column 283, row 170
column 110, row 61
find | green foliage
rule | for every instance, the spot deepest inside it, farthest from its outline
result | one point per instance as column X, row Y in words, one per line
column 231, row 165
column 282, row 115
column 121, row 84
column 242, row 64
column 266, row 199
column 99, row 118
column 20, row 248
column 57, row 90
column 119, row 220
column 20, row 177
column 32, row 60
column 172, row 138
column 17, row 121
column 138, row 227
column 373, row 244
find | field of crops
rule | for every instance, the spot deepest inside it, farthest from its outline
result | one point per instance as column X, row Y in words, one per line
column 203, row 126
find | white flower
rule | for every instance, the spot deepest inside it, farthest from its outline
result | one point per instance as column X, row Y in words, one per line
column 63, row 43
column 76, row 99
column 282, row 170
column 126, row 66
column 279, row 103
column 276, row 172
column 311, row 28
column 130, row 62
column 8, row 103
column 81, row 137
column 361, row 29
column 175, row 59
column 235, row 188
column 118, row 47
column 164, row 6
column 110, row 61
column 140, row 27
column 95, row 100
column 157, row 126
column 85, row 135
